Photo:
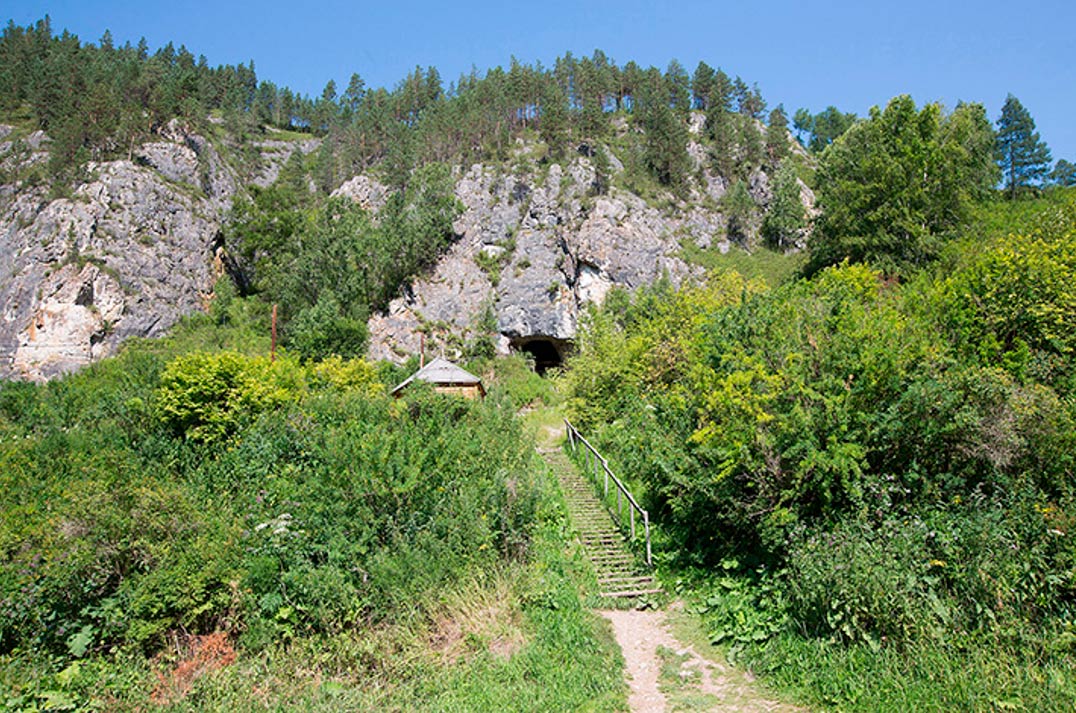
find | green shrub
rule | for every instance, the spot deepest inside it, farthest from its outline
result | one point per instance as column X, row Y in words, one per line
column 209, row 397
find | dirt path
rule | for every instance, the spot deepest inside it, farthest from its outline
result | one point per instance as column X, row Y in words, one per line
column 667, row 675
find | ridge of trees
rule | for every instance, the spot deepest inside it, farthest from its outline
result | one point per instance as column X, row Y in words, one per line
column 98, row 101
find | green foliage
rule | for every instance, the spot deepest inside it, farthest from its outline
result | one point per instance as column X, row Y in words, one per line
column 892, row 460
column 893, row 184
column 1063, row 174
column 323, row 330
column 666, row 135
column 515, row 377
column 786, row 215
column 330, row 265
column 154, row 496
column 763, row 264
column 1022, row 156
column 100, row 101
column 1012, row 303
column 822, row 129
column 742, row 609
column 777, row 148
column 740, row 209
column 208, row 397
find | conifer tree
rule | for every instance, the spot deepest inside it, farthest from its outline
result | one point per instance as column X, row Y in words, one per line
column 553, row 121
column 739, row 208
column 786, row 216
column 777, row 136
column 702, row 86
column 1023, row 157
column 1064, row 173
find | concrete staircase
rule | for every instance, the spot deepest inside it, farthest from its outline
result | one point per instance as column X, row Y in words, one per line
column 620, row 574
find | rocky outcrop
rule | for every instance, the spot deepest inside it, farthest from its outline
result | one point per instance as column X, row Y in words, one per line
column 365, row 191
column 127, row 254
column 275, row 153
column 537, row 244
column 555, row 247
column 135, row 247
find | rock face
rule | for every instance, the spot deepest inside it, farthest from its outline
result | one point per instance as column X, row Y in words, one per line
column 136, row 247
column 537, row 246
column 127, row 254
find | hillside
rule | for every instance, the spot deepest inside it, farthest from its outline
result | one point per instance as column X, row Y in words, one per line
column 839, row 379
column 140, row 244
column 118, row 231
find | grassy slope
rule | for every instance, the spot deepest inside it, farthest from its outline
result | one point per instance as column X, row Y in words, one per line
column 495, row 640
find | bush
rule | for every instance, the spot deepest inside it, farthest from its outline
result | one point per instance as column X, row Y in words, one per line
column 209, row 397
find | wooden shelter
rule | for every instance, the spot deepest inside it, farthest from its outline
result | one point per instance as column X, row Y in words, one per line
column 447, row 378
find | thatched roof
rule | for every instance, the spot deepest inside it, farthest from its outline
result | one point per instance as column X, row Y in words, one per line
column 442, row 372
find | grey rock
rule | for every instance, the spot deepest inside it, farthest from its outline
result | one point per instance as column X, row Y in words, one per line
column 175, row 162
column 128, row 254
column 275, row 153
column 570, row 249
column 365, row 191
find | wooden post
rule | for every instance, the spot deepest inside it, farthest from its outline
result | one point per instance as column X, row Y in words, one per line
column 632, row 524
column 422, row 351
column 272, row 346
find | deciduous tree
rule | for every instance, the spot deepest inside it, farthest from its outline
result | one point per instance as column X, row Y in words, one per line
column 892, row 185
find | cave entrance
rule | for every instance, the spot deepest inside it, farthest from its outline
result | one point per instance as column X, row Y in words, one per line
column 548, row 353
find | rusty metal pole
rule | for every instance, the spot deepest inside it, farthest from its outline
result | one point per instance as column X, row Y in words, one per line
column 272, row 347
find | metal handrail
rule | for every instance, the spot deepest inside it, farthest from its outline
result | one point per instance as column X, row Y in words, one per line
column 591, row 459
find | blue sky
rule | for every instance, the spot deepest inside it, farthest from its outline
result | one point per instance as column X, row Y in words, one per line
column 801, row 54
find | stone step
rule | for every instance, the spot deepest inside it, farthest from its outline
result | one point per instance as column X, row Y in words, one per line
column 632, row 593
column 617, row 569
column 618, row 582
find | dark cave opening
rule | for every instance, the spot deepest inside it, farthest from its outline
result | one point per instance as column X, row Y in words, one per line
column 547, row 353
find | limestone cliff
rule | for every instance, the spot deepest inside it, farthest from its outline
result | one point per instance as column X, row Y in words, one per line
column 136, row 246
column 537, row 243
column 126, row 254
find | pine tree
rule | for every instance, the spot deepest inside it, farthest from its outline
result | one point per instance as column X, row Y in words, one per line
column 666, row 136
column 553, row 120
column 786, row 216
column 702, row 86
column 1064, row 173
column 777, row 136
column 1023, row 157
column 739, row 208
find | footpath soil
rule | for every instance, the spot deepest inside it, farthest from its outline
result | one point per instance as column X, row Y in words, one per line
column 656, row 664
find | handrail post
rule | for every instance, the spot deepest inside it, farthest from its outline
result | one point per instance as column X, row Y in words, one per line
column 646, row 526
column 592, row 460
